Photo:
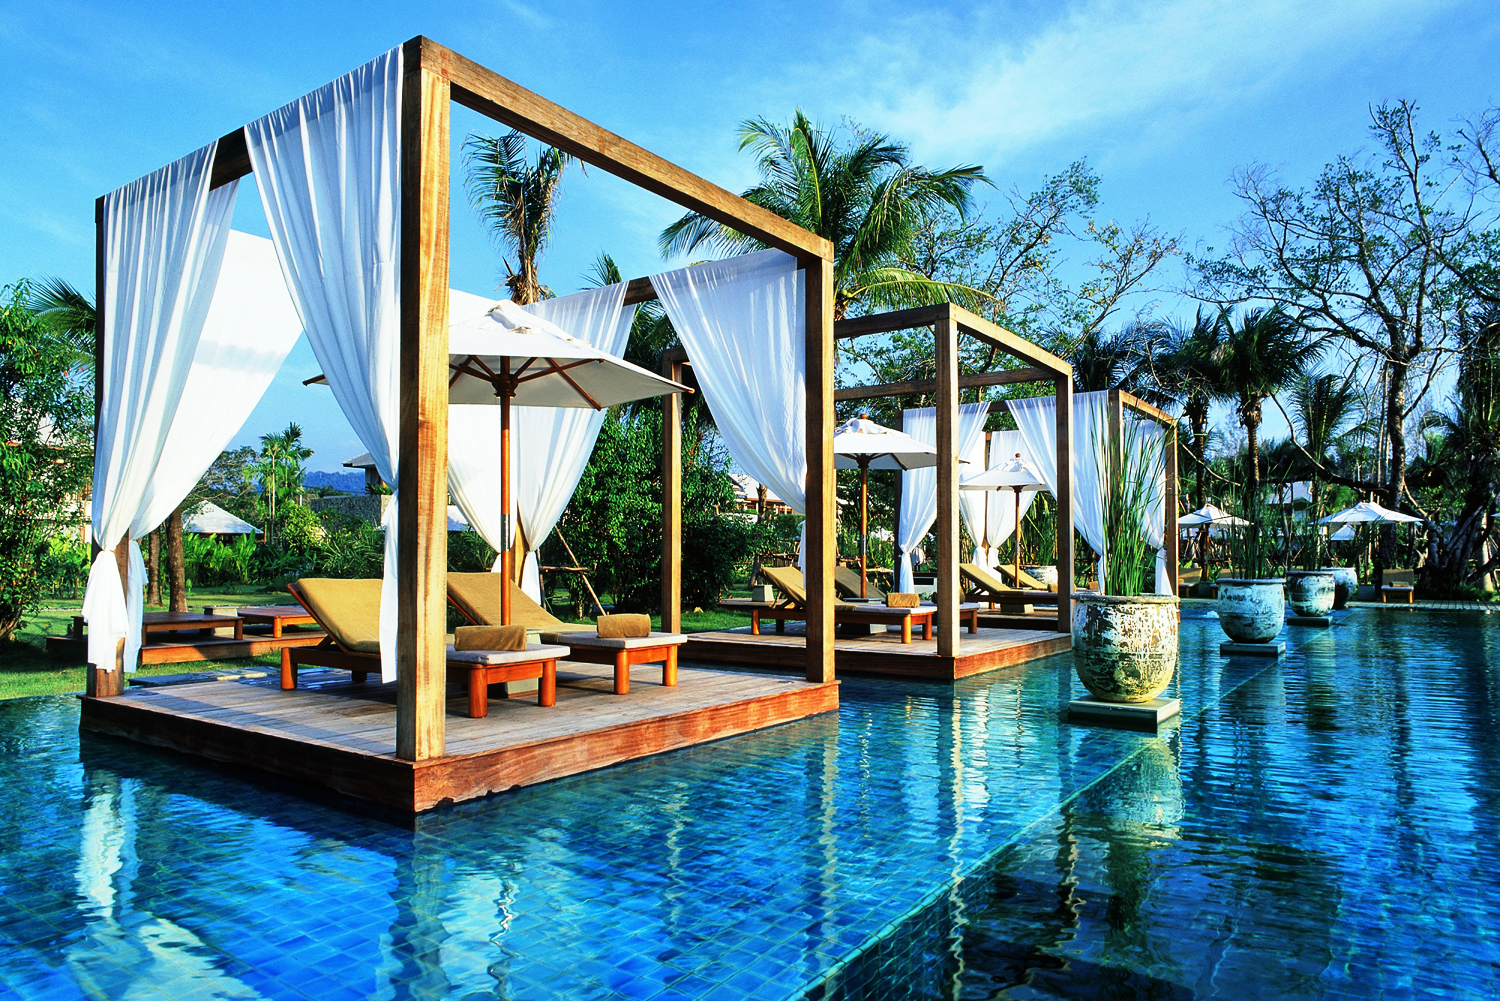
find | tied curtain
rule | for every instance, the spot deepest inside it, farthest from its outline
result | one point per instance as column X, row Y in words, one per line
column 990, row 515
column 742, row 321
column 550, row 445
column 164, row 241
column 1036, row 420
column 919, row 486
column 329, row 170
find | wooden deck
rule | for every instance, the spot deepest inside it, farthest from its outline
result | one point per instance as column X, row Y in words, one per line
column 178, row 650
column 988, row 650
column 340, row 736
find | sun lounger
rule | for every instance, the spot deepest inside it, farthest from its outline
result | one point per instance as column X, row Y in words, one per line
column 789, row 581
column 1025, row 582
column 846, row 585
column 985, row 586
column 1398, row 584
column 349, row 611
column 477, row 597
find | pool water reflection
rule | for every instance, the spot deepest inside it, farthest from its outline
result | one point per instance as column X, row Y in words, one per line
column 1321, row 827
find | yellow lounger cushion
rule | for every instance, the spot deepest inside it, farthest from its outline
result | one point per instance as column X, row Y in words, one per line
column 623, row 627
column 846, row 581
column 512, row 637
column 903, row 599
column 348, row 609
column 478, row 596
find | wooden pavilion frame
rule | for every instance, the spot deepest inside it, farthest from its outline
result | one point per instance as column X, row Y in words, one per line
column 948, row 321
column 433, row 78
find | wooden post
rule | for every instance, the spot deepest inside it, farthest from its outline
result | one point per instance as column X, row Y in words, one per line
column 819, row 554
column 671, row 503
column 945, row 339
column 1065, row 504
column 422, row 490
column 896, row 516
column 1169, row 502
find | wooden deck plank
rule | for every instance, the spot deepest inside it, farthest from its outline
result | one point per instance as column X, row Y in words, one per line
column 987, row 650
column 69, row 648
column 339, row 735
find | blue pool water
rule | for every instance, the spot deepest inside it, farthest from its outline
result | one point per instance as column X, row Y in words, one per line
column 1323, row 827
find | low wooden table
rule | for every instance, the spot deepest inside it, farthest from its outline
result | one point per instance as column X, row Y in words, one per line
column 277, row 617
column 189, row 622
column 624, row 653
column 1401, row 592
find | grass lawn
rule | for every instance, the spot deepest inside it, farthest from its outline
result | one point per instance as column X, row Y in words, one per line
column 26, row 669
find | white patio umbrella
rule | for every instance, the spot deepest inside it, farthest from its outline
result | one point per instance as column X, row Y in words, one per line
column 1368, row 513
column 1014, row 475
column 511, row 357
column 860, row 443
column 1344, row 534
column 1208, row 514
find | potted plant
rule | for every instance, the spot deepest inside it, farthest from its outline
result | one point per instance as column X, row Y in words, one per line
column 1125, row 640
column 1252, row 603
column 1309, row 589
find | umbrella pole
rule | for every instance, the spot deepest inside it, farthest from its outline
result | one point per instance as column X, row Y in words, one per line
column 864, row 526
column 505, row 557
column 1018, row 538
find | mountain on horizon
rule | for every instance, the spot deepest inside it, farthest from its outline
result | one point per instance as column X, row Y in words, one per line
column 349, row 481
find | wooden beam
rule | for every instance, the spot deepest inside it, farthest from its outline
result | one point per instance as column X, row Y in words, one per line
column 968, row 323
column 639, row 290
column 422, row 490
column 885, row 323
column 821, row 540
column 1065, row 505
column 945, row 344
column 231, row 159
column 1140, row 407
column 671, row 503
column 494, row 96
column 1009, row 377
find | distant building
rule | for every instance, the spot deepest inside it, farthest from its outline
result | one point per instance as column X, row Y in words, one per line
column 749, row 495
column 366, row 462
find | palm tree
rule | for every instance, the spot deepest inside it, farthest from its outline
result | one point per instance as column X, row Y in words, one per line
column 1183, row 367
column 517, row 199
column 1324, row 408
column 1254, row 360
column 1119, row 361
column 866, row 198
column 280, row 469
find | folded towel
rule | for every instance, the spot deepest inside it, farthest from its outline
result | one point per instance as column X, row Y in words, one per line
column 903, row 599
column 623, row 627
column 490, row 638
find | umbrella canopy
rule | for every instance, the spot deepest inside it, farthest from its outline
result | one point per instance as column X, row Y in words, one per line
column 1208, row 514
column 1342, row 535
column 508, row 348
column 860, row 443
column 1366, row 513
column 509, row 357
column 1013, row 475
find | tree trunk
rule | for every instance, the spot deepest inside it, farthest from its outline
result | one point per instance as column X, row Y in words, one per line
column 153, row 568
column 176, row 567
column 1395, row 486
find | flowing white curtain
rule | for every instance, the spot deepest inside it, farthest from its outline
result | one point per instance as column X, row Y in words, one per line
column 997, row 507
column 741, row 321
column 1150, row 440
column 329, row 170
column 164, row 240
column 919, row 486
column 251, row 328
column 552, row 445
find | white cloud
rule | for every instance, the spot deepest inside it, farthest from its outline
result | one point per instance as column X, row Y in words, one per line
column 1108, row 64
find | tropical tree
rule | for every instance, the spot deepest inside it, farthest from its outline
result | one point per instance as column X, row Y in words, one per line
column 1255, row 359
column 1182, row 365
column 516, row 197
column 279, row 470
column 865, row 196
column 1324, row 408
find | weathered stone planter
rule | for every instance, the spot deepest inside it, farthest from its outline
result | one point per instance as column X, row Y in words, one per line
column 1310, row 592
column 1251, row 611
column 1345, row 584
column 1125, row 649
column 1047, row 575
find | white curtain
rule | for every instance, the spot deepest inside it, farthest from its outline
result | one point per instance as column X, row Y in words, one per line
column 741, row 321
column 551, row 445
column 329, row 170
column 164, row 240
column 919, row 486
column 251, row 328
column 997, row 507
column 1150, row 441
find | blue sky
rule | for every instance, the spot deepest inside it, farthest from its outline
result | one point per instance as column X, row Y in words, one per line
column 1164, row 97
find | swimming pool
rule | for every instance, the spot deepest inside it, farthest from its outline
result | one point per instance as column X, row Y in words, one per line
column 1326, row 826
